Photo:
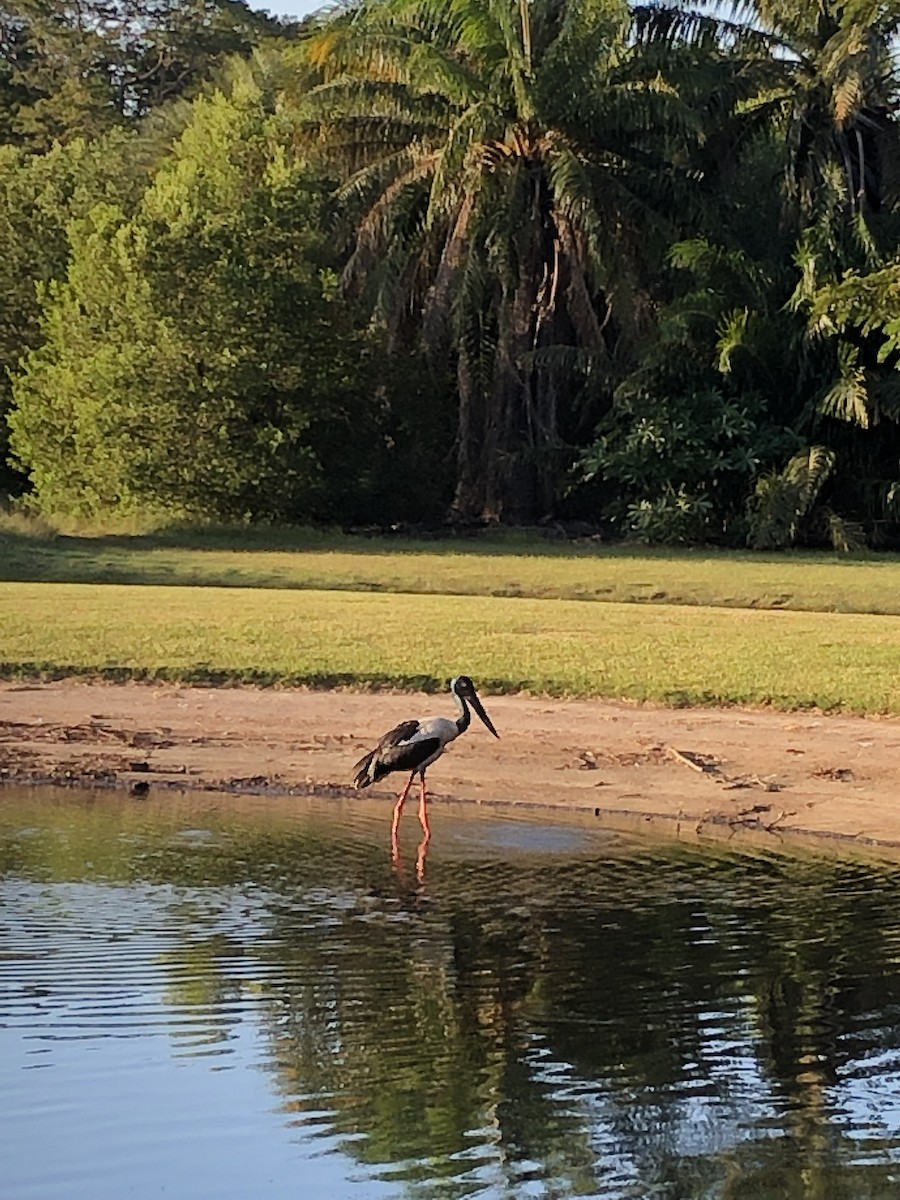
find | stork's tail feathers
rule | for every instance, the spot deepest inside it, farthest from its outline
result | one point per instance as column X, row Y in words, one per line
column 369, row 770
column 361, row 771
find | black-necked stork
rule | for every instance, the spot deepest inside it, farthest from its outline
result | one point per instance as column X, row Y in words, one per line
column 414, row 745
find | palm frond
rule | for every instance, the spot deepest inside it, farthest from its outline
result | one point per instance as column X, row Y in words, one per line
column 382, row 220
column 884, row 390
column 848, row 98
column 378, row 182
column 465, row 137
column 845, row 536
column 733, row 335
column 848, row 397
column 782, row 500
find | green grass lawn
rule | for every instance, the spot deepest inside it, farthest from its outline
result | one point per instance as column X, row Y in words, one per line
column 268, row 606
column 661, row 652
column 502, row 566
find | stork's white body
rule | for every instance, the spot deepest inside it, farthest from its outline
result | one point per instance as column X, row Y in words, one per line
column 440, row 729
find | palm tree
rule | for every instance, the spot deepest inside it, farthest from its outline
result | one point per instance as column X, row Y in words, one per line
column 501, row 160
column 829, row 92
column 843, row 179
column 837, row 100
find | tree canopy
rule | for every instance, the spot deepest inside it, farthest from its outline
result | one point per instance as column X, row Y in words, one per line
column 482, row 260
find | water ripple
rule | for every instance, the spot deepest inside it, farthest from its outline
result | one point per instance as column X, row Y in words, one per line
column 189, row 991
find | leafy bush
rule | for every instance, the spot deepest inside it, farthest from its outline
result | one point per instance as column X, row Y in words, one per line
column 784, row 500
column 679, row 468
column 675, row 516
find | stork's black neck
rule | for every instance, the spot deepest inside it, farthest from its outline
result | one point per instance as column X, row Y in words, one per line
column 464, row 720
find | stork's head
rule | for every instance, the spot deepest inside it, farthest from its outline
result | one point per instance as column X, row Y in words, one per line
column 463, row 687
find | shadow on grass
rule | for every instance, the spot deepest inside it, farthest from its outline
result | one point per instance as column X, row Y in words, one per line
column 205, row 675
column 42, row 557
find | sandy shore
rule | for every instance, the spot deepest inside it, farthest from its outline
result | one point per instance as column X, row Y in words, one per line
column 728, row 771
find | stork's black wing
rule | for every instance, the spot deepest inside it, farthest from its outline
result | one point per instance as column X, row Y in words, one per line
column 407, row 757
column 392, row 738
column 403, row 732
column 395, row 752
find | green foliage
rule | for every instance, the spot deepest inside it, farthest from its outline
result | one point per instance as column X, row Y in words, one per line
column 506, row 173
column 677, row 467
column 784, row 500
column 708, row 405
column 673, row 516
column 853, row 324
column 659, row 245
column 867, row 302
column 75, row 72
column 846, row 537
column 196, row 360
column 40, row 195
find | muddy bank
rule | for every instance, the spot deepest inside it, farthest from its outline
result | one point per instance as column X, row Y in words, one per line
column 686, row 769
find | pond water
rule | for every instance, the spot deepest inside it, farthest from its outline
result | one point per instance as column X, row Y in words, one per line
column 207, row 996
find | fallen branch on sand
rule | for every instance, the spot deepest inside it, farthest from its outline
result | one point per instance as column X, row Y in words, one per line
column 697, row 762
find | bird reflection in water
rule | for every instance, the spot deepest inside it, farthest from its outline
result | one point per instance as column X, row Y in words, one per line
column 400, row 869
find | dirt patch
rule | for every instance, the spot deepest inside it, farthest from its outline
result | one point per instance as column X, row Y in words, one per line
column 729, row 769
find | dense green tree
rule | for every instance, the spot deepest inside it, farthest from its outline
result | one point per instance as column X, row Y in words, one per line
column 197, row 359
column 835, row 105
column 40, row 195
column 74, row 71
column 809, row 190
column 502, row 173
column 707, row 402
column 843, row 178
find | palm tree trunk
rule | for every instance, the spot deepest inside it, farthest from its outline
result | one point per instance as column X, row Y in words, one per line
column 507, row 433
column 508, row 425
column 499, row 430
column 516, row 432
column 468, row 500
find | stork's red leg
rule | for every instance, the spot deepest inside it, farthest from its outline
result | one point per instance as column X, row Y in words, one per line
column 423, row 809
column 398, row 807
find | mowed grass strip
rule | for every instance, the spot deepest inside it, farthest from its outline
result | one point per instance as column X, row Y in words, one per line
column 504, row 567
column 662, row 653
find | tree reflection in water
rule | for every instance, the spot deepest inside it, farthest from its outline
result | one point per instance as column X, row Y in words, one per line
column 628, row 1020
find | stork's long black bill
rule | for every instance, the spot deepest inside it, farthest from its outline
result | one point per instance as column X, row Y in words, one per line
column 479, row 708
